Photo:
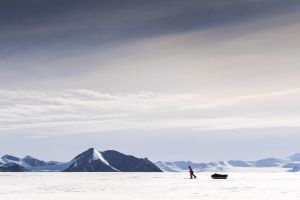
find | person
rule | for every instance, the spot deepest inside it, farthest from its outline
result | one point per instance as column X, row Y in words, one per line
column 192, row 172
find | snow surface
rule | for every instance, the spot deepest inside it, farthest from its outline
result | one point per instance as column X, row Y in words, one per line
column 148, row 186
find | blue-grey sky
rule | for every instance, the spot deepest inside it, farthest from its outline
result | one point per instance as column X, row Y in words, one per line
column 171, row 80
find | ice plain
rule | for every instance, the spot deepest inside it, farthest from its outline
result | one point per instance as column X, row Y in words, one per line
column 148, row 186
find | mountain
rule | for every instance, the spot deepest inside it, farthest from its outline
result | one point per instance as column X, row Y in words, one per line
column 128, row 163
column 291, row 163
column 178, row 166
column 10, row 159
column 90, row 160
column 109, row 161
column 239, row 163
column 30, row 164
column 269, row 162
column 12, row 167
column 183, row 165
column 27, row 161
column 33, row 161
column 167, row 167
column 295, row 169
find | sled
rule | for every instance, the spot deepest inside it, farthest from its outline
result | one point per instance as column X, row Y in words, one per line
column 219, row 176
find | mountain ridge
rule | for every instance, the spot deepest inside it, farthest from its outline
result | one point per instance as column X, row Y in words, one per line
column 291, row 164
column 93, row 160
column 90, row 160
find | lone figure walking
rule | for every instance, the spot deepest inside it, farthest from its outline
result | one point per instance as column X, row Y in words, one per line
column 192, row 172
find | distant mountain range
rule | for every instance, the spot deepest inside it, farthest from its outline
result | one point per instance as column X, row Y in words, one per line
column 89, row 161
column 92, row 160
column 291, row 163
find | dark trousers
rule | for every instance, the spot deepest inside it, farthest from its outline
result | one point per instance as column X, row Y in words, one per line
column 192, row 175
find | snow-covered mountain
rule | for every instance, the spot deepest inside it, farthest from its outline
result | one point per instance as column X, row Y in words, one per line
column 291, row 163
column 110, row 161
column 88, row 161
column 269, row 162
column 92, row 160
column 296, row 168
column 183, row 165
column 12, row 167
column 238, row 163
column 29, row 163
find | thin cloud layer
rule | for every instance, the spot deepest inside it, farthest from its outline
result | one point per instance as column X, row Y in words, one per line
column 77, row 111
column 207, row 66
column 54, row 44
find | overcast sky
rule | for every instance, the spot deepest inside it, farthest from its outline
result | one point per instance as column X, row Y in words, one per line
column 198, row 80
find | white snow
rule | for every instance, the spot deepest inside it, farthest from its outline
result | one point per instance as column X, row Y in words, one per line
column 98, row 156
column 148, row 186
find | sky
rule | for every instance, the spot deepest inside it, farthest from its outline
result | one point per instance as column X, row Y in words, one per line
column 198, row 80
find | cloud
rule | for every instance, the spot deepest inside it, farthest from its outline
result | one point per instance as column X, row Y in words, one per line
column 59, row 112
column 59, row 42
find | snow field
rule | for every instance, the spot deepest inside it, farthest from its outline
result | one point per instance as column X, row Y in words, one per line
column 148, row 186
